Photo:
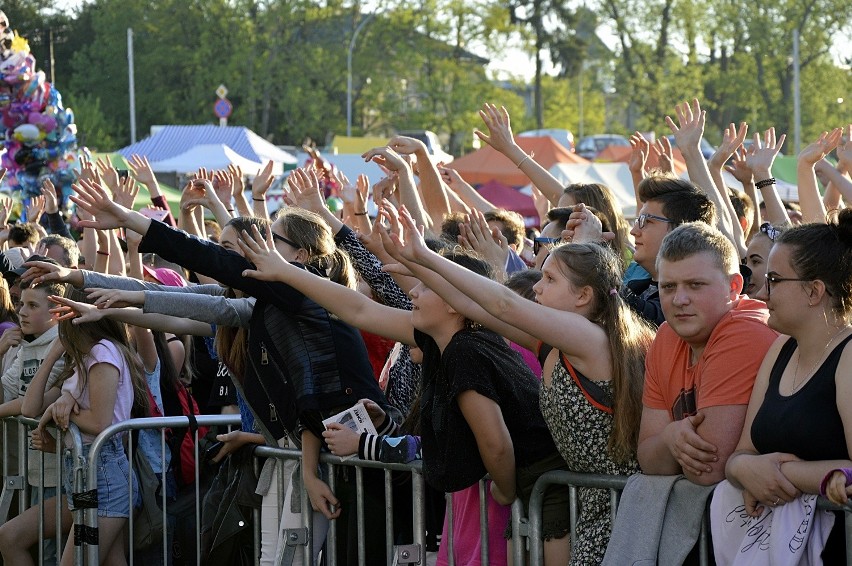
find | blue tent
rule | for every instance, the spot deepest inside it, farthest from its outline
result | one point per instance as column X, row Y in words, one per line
column 171, row 141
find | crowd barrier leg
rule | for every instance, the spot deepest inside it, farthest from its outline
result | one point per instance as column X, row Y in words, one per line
column 388, row 517
column 483, row 521
column 448, row 518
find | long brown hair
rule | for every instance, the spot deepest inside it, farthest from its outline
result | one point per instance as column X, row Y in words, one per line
column 600, row 198
column 7, row 307
column 629, row 336
column 79, row 339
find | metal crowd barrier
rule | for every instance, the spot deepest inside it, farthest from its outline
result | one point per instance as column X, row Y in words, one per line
column 18, row 483
column 301, row 538
column 615, row 485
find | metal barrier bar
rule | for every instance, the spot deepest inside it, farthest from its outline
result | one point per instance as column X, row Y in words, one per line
column 485, row 540
column 91, row 514
column 448, row 518
column 573, row 480
column 389, row 520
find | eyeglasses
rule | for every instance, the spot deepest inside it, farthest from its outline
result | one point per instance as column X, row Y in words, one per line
column 773, row 278
column 771, row 231
column 285, row 240
column 542, row 241
column 642, row 219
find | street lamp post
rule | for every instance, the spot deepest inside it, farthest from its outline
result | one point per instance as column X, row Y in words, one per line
column 355, row 33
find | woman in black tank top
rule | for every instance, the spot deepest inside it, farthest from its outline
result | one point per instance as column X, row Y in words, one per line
column 797, row 429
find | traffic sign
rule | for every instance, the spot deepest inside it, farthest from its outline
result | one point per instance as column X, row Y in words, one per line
column 221, row 91
column 222, row 108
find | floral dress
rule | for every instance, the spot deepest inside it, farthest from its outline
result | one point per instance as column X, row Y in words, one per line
column 580, row 422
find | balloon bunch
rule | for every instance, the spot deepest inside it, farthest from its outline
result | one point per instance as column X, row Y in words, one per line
column 40, row 134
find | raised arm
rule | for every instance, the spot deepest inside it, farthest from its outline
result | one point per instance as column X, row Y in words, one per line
column 759, row 161
column 388, row 158
column 435, row 200
column 688, row 133
column 813, row 209
column 500, row 138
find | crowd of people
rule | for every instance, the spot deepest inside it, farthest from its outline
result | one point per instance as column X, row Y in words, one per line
column 670, row 351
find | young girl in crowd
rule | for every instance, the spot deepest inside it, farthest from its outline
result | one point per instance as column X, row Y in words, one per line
column 103, row 384
column 478, row 410
column 592, row 350
column 799, row 422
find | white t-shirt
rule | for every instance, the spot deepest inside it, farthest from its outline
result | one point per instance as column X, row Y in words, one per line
column 108, row 353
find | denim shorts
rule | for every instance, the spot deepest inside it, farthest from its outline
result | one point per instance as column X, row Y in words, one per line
column 113, row 472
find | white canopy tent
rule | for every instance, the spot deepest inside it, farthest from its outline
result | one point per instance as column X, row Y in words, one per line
column 615, row 176
column 211, row 157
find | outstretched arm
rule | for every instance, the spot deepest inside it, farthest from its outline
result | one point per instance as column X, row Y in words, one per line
column 84, row 312
column 570, row 333
column 351, row 306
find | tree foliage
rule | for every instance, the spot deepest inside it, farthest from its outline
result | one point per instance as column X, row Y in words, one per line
column 423, row 65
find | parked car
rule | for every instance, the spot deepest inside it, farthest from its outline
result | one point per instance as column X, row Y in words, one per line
column 707, row 149
column 433, row 144
column 590, row 146
column 565, row 137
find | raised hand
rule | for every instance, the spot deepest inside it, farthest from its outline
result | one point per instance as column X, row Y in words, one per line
column 584, row 226
column 35, row 209
column 662, row 148
column 51, row 200
column 141, row 170
column 305, row 190
column 732, row 140
column 6, row 205
column 385, row 188
column 93, row 199
column 762, row 154
column 75, row 311
column 386, row 158
column 262, row 181
column 223, row 186
column 821, row 147
column 690, row 127
column 405, row 145
column 639, row 150
column 237, row 176
column 269, row 265
column 492, row 245
column 499, row 128
column 406, row 236
column 108, row 173
column 739, row 167
column 126, row 192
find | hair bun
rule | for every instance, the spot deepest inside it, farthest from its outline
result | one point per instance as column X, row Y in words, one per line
column 844, row 227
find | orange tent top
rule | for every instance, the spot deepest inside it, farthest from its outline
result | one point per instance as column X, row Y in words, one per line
column 487, row 164
column 621, row 154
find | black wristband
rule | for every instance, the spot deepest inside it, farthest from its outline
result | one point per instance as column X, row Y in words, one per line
column 764, row 183
column 360, row 213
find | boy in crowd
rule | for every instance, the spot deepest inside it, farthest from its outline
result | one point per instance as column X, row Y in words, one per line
column 702, row 365
column 37, row 334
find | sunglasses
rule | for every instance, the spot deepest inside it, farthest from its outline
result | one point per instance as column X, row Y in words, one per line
column 642, row 219
column 542, row 241
column 285, row 240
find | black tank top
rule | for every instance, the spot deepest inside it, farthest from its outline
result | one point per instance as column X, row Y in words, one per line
column 806, row 423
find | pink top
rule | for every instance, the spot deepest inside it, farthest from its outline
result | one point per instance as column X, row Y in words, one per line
column 529, row 358
column 104, row 352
